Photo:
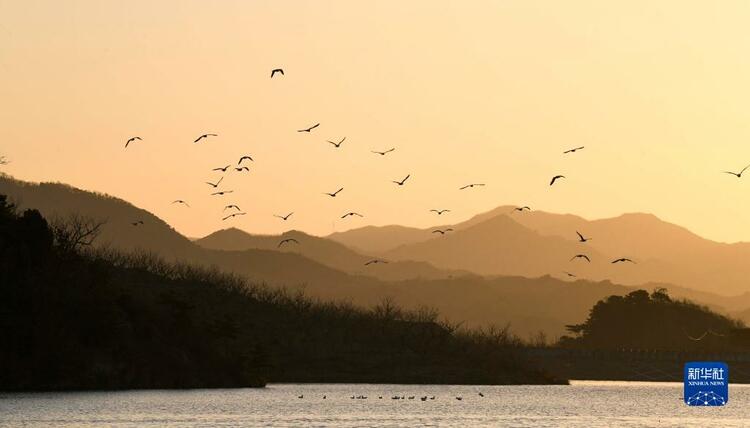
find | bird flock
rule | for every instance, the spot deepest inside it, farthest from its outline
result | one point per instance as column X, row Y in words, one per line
column 397, row 397
column 242, row 167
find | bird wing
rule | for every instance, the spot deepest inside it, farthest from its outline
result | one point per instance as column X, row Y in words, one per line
column 198, row 139
column 464, row 187
column 406, row 178
column 730, row 172
column 587, row 258
column 579, row 235
column 743, row 169
column 696, row 338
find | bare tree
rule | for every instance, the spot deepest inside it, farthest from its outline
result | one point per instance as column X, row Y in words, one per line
column 76, row 231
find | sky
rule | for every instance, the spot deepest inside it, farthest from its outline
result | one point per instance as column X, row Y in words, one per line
column 466, row 91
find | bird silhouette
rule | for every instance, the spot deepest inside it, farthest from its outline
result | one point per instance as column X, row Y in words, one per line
column 383, row 153
column 180, row 201
column 242, row 168
column 246, row 157
column 442, row 232
column 333, row 195
column 276, row 70
column 215, row 185
column 130, row 140
column 480, row 394
column 581, row 256
column 205, row 136
column 136, row 223
column 401, row 183
column 232, row 206
column 222, row 169
column 737, row 174
column 522, row 208
column 622, row 259
column 573, row 150
column 569, row 274
column 233, row 215
column 581, row 238
column 284, row 217
column 222, row 193
column 468, row 186
column 309, row 129
column 440, row 212
column 555, row 178
column 351, row 214
column 459, row 398
column 287, row 240
column 337, row 145
column 696, row 339
column 375, row 261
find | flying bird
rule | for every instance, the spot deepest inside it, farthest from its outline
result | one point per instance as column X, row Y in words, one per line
column 130, row 140
column 205, row 136
column 242, row 168
column 216, row 184
column 232, row 206
column 737, row 174
column 276, row 70
column 180, row 201
column 309, row 129
column 471, row 185
column 581, row 256
column 569, row 274
column 622, row 259
column 555, row 178
column 137, row 223
column 442, row 232
column 581, row 238
column 222, row 169
column 233, row 215
column 244, row 158
column 696, row 339
column 375, row 261
column 522, row 208
column 222, row 193
column 351, row 214
column 284, row 217
column 401, row 183
column 383, row 153
column 333, row 195
column 573, row 150
column 284, row 241
column 337, row 144
column 440, row 212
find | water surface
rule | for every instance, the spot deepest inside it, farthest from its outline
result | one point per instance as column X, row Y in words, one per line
column 583, row 404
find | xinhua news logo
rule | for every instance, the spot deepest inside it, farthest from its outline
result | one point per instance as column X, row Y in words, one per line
column 706, row 383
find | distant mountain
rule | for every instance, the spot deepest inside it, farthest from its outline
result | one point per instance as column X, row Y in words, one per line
column 379, row 239
column 528, row 304
column 324, row 251
column 488, row 244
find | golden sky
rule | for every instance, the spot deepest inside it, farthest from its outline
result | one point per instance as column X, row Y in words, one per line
column 467, row 91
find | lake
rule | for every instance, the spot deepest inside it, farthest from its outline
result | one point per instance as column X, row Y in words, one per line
column 582, row 404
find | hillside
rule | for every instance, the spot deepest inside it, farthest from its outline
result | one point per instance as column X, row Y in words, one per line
column 528, row 304
column 80, row 319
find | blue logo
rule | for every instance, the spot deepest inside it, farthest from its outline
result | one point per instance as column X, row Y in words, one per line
column 706, row 383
